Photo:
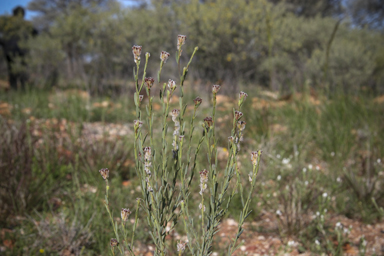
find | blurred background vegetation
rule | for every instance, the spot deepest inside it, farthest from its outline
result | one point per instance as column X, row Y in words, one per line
column 314, row 73
column 281, row 45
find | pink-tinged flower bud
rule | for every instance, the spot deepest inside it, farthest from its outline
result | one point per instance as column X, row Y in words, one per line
column 149, row 81
column 241, row 125
column 180, row 41
column 147, row 153
column 216, row 88
column 181, row 138
column 197, row 101
column 136, row 50
column 238, row 115
column 243, row 96
column 141, row 97
column 171, row 85
column 164, row 56
column 231, row 139
column 137, row 125
column 114, row 242
column 208, row 121
column 104, row 173
column 125, row 214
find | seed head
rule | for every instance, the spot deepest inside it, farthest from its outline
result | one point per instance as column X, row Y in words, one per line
column 136, row 50
column 197, row 101
column 125, row 214
column 208, row 121
column 241, row 125
column 149, row 82
column 171, row 85
column 216, row 88
column 104, row 173
column 164, row 56
column 180, row 41
column 238, row 115
column 114, row 242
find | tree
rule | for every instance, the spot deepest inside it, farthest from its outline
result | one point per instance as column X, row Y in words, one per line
column 367, row 12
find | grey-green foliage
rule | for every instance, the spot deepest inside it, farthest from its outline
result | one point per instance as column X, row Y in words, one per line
column 254, row 41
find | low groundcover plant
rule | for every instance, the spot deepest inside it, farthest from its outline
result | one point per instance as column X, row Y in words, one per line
column 166, row 177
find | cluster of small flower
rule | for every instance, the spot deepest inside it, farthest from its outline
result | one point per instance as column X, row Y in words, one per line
column 175, row 113
column 203, row 181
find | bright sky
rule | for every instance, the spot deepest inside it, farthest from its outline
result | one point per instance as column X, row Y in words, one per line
column 6, row 6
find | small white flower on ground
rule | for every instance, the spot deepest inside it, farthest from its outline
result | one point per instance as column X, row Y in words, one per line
column 338, row 179
column 338, row 225
column 291, row 243
column 332, row 154
column 306, row 183
column 279, row 177
column 317, row 213
column 317, row 167
column 286, row 160
column 278, row 212
column 278, row 156
column 243, row 248
column 317, row 242
column 379, row 161
column 325, row 195
column 304, row 170
column 310, row 167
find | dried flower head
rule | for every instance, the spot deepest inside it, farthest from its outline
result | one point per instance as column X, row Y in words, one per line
column 125, row 214
column 147, row 153
column 238, row 115
column 181, row 246
column 104, row 173
column 171, row 85
column 204, row 176
column 216, row 88
column 136, row 50
column 180, row 41
column 197, row 101
column 114, row 242
column 255, row 156
column 241, row 125
column 175, row 113
column 149, row 81
column 164, row 56
column 243, row 96
column 208, row 121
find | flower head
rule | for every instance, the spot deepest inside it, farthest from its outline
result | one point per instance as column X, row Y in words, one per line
column 136, row 50
column 137, row 125
column 201, row 206
column 243, row 96
column 241, row 125
column 104, row 173
column 208, row 121
column 114, row 242
column 164, row 56
column 141, row 97
column 197, row 101
column 181, row 246
column 180, row 41
column 149, row 81
column 238, row 115
column 216, row 88
column 125, row 214
column 255, row 156
column 171, row 85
